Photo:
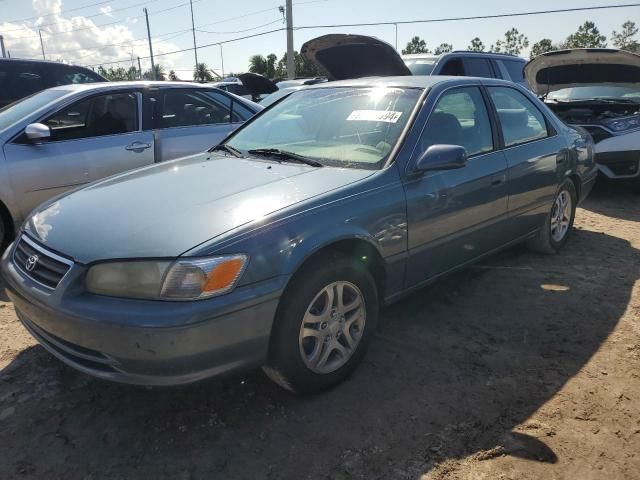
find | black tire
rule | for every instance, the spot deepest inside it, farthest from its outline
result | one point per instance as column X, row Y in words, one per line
column 544, row 242
column 285, row 364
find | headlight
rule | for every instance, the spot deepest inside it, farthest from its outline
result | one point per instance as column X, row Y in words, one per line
column 622, row 124
column 184, row 279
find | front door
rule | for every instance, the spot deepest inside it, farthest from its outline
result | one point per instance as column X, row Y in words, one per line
column 90, row 139
column 456, row 215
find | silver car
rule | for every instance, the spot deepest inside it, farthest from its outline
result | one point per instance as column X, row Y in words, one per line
column 67, row 136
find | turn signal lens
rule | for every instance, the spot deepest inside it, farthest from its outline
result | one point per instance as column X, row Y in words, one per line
column 199, row 278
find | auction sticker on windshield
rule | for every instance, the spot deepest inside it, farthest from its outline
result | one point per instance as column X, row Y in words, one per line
column 375, row 116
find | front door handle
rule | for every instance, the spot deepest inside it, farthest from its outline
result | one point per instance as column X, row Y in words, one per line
column 137, row 146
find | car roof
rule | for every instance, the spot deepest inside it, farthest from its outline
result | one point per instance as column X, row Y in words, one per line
column 81, row 87
column 464, row 53
column 46, row 62
column 409, row 81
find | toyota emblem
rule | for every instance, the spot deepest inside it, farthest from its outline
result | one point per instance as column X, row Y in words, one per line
column 31, row 262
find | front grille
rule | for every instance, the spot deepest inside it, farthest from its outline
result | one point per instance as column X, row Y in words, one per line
column 597, row 133
column 40, row 264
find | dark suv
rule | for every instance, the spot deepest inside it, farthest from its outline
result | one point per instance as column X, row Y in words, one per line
column 470, row 64
column 20, row 78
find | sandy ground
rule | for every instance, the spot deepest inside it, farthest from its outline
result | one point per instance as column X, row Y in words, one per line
column 522, row 367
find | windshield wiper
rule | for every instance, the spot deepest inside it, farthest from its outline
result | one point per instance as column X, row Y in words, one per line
column 223, row 147
column 285, row 156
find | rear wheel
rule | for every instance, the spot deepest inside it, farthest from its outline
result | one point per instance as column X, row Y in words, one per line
column 559, row 222
column 324, row 324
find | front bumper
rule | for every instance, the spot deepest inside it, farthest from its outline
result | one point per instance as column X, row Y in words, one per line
column 146, row 342
column 619, row 165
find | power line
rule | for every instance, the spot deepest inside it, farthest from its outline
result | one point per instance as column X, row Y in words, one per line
column 279, row 20
column 401, row 22
column 476, row 17
column 104, row 24
column 26, row 19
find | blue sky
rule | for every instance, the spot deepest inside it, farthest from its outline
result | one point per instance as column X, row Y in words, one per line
column 128, row 32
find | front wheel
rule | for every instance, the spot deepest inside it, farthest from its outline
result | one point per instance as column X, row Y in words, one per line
column 559, row 222
column 324, row 324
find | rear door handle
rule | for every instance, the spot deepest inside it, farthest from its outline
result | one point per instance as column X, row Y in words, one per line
column 496, row 182
column 137, row 146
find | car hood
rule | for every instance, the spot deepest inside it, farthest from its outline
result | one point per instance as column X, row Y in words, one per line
column 560, row 69
column 167, row 209
column 345, row 56
column 257, row 84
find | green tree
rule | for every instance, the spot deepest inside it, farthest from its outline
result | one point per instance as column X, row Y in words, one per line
column 271, row 65
column 476, row 45
column 172, row 76
column 416, row 45
column 303, row 69
column 258, row 64
column 202, row 73
column 514, row 42
column 624, row 39
column 443, row 48
column 133, row 73
column 159, row 71
column 587, row 36
column 544, row 45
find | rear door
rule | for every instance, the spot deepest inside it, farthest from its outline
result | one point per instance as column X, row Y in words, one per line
column 191, row 120
column 534, row 151
column 91, row 138
column 457, row 215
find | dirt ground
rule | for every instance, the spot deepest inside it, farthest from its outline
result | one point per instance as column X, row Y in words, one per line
column 522, row 367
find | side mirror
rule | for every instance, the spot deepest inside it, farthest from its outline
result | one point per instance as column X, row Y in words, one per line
column 37, row 132
column 442, row 157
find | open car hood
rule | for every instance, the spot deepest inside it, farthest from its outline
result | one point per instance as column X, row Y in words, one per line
column 257, row 84
column 345, row 56
column 560, row 69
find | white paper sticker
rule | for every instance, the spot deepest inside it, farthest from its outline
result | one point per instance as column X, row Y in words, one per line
column 375, row 116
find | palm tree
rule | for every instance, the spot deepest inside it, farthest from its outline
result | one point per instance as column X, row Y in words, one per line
column 258, row 64
column 172, row 76
column 201, row 73
column 159, row 73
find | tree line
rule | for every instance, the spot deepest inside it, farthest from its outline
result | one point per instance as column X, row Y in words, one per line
column 201, row 73
column 587, row 36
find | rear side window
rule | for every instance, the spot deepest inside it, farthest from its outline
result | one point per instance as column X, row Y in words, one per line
column 515, row 69
column 477, row 67
column 520, row 119
column 64, row 75
column 460, row 118
column 18, row 80
column 240, row 113
column 95, row 117
column 452, row 67
column 184, row 108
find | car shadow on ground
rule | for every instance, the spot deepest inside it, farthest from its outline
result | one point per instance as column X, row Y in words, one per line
column 455, row 368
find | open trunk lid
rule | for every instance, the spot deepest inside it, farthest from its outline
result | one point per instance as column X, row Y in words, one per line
column 553, row 71
column 345, row 56
column 257, row 84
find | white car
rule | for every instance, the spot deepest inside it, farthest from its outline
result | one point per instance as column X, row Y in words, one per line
column 599, row 90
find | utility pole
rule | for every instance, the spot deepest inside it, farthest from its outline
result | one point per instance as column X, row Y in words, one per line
column 396, row 35
column 221, row 59
column 4, row 54
column 139, row 69
column 193, row 30
column 291, row 66
column 153, row 66
column 41, row 44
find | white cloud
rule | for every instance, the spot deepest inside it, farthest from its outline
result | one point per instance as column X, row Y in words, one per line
column 106, row 10
column 87, row 44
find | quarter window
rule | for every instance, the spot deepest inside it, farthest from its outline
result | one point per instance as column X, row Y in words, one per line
column 183, row 108
column 64, row 75
column 520, row 119
column 460, row 118
column 95, row 117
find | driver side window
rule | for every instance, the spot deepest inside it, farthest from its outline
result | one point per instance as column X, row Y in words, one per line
column 95, row 117
column 459, row 118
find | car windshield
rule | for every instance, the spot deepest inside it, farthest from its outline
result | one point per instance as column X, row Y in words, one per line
column 421, row 66
column 16, row 111
column 340, row 126
column 587, row 92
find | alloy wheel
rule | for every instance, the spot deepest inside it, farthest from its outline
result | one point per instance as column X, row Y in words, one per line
column 561, row 216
